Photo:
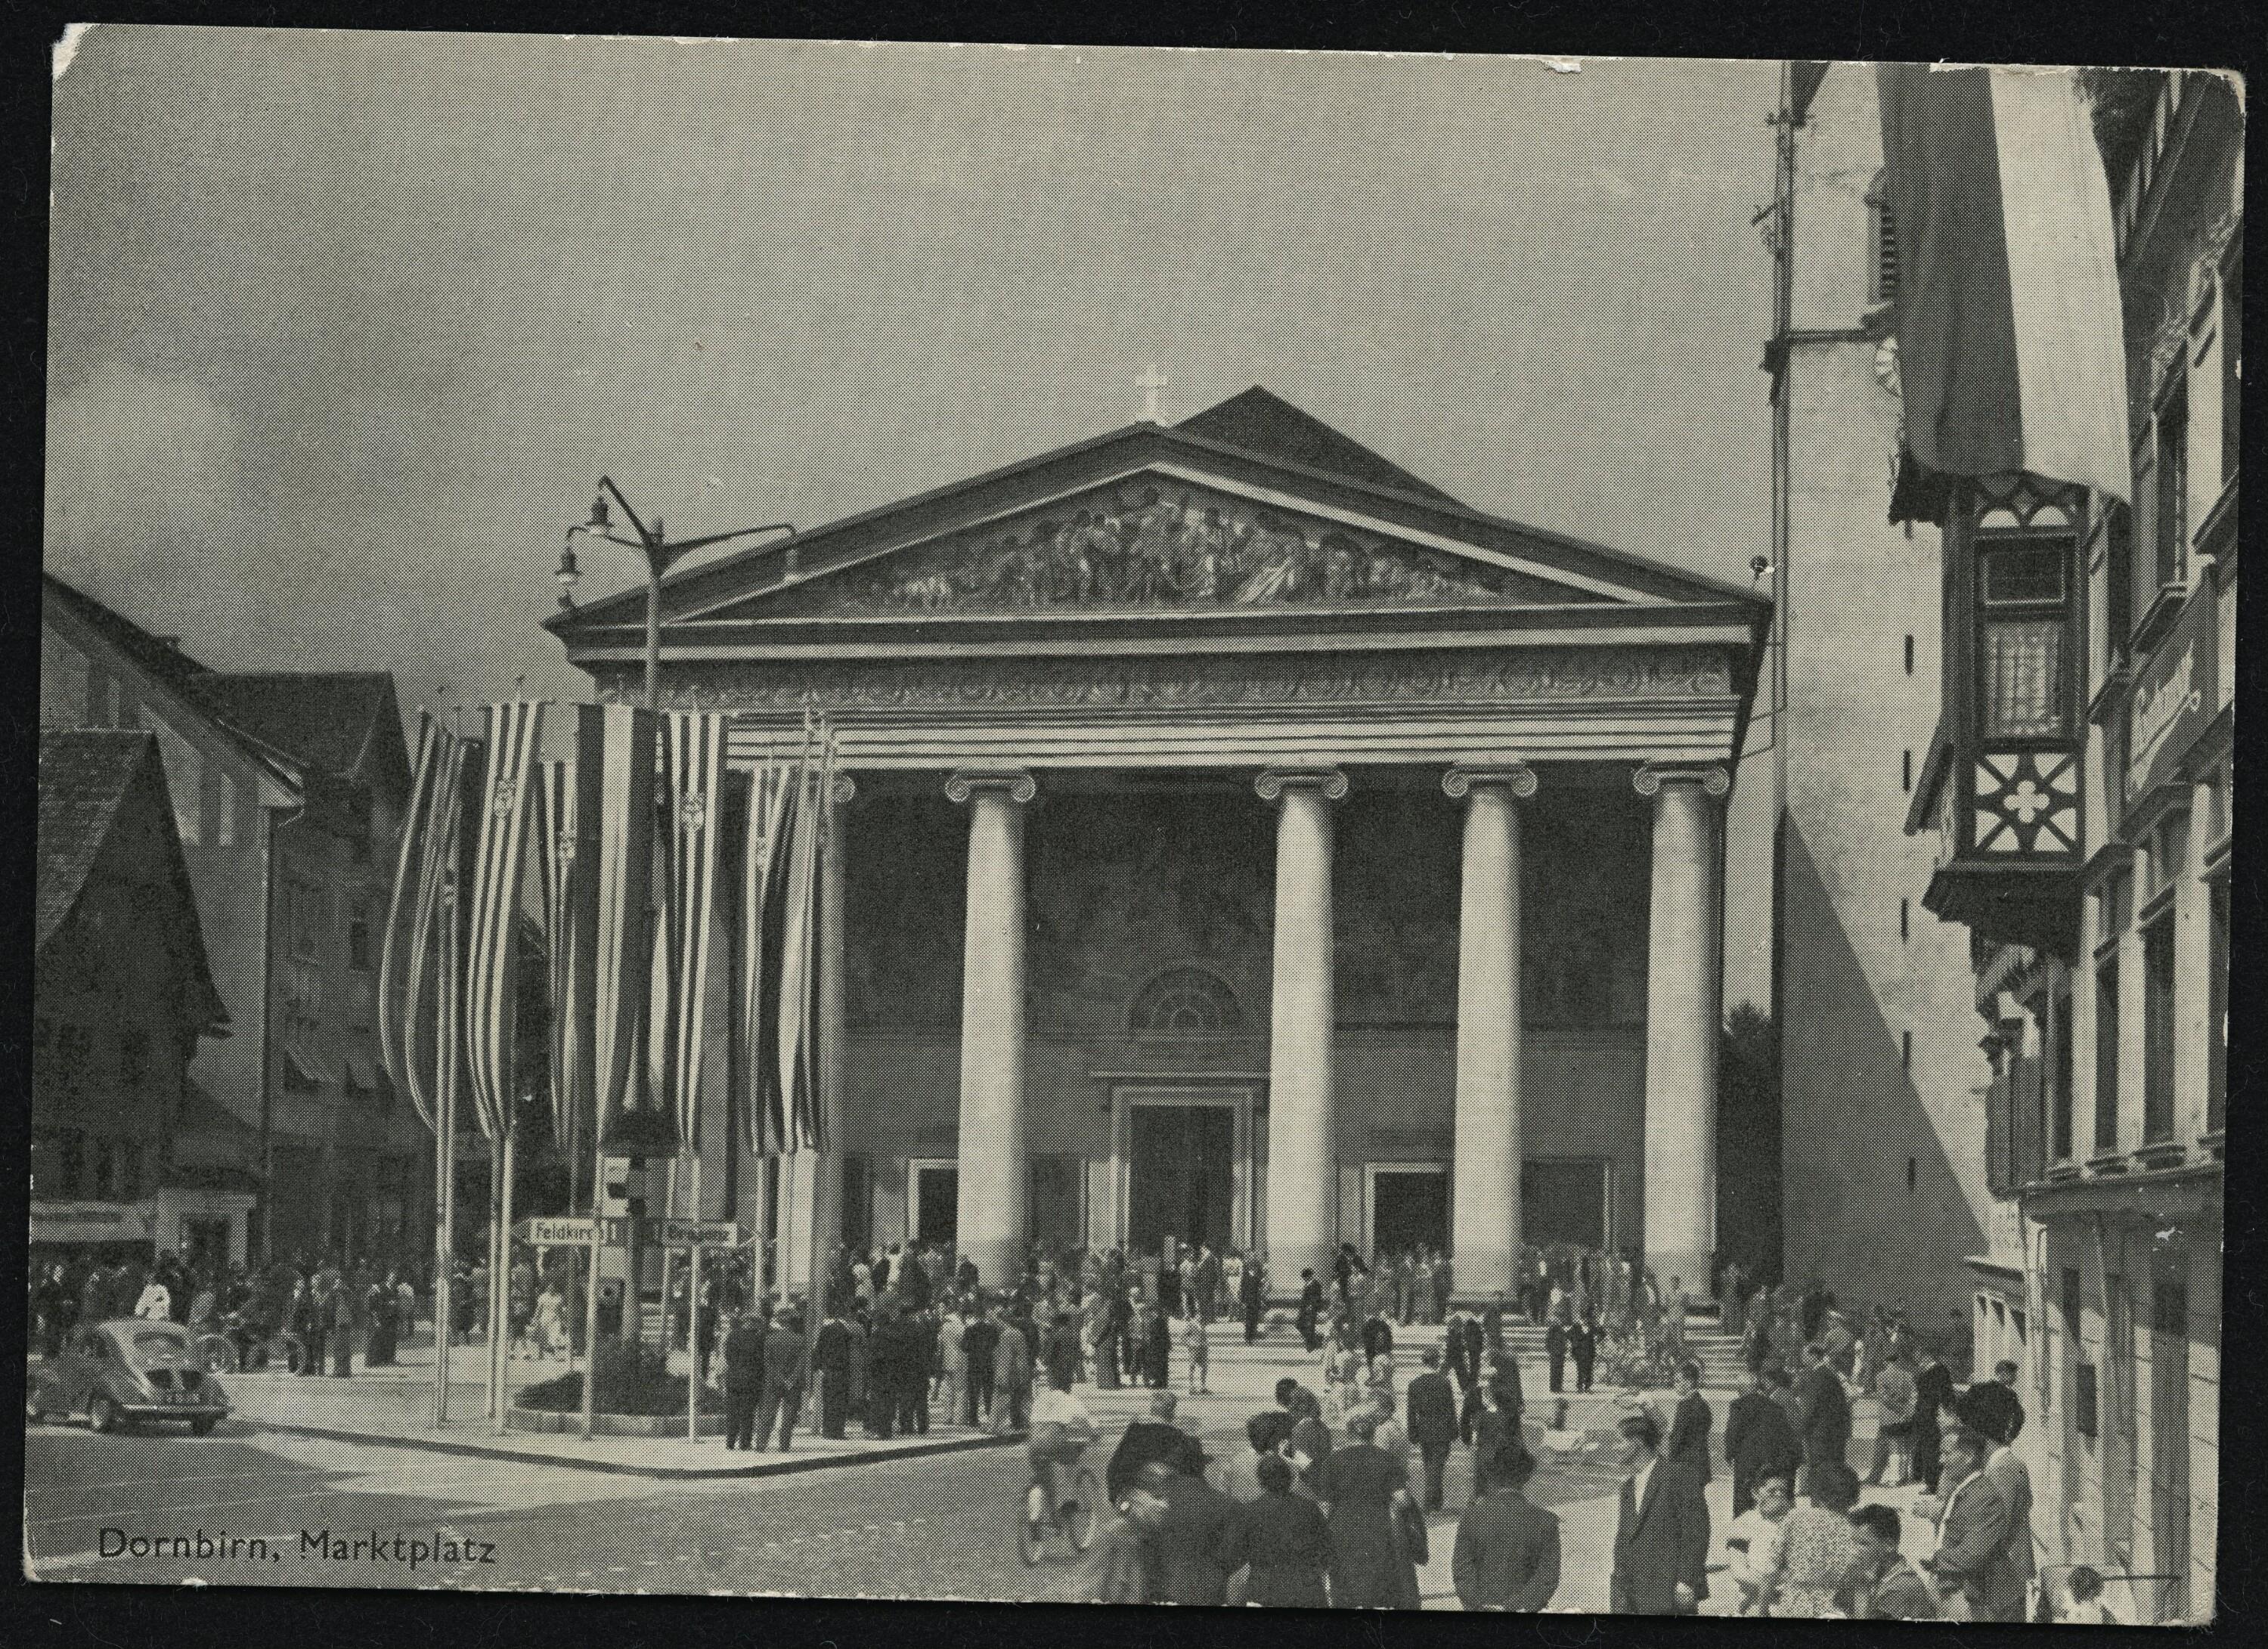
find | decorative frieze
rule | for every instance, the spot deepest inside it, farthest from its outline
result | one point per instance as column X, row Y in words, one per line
column 1547, row 674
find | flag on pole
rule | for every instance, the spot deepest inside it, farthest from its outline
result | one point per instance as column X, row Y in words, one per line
column 615, row 775
column 425, row 980
column 796, row 1002
column 2011, row 341
column 693, row 797
column 397, row 937
column 492, row 999
column 763, row 870
column 564, row 883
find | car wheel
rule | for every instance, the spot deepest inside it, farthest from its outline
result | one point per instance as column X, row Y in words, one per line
column 203, row 1426
column 101, row 1415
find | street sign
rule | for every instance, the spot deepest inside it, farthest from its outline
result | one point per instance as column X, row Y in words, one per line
column 695, row 1233
column 549, row 1233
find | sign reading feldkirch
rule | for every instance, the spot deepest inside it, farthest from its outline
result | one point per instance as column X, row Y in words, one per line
column 552, row 1231
column 2176, row 696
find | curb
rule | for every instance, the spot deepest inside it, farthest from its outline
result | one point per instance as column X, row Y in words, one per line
column 783, row 1466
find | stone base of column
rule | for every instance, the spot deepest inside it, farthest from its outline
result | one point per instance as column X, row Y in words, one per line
column 997, row 1263
column 1463, row 1299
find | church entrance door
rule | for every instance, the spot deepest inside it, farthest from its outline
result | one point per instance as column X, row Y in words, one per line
column 1181, row 1174
column 1408, row 1208
column 1565, row 1200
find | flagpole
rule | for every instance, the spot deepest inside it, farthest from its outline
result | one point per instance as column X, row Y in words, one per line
column 444, row 1059
column 504, row 1229
column 590, row 1287
column 496, row 1268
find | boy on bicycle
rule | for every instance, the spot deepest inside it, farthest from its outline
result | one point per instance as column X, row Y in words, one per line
column 1061, row 1431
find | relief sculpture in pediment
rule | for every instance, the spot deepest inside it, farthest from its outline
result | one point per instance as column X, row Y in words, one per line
column 1144, row 546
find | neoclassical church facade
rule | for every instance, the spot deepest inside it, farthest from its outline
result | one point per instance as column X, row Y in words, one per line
column 1242, row 840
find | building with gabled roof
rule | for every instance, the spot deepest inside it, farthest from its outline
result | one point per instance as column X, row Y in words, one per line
column 286, row 790
column 1248, row 842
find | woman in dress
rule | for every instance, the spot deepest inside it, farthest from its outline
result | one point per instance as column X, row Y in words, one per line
column 550, row 1317
column 1816, row 1550
column 1285, row 1540
column 1364, row 1494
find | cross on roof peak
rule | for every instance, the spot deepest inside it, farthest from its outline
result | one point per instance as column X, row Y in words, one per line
column 1150, row 383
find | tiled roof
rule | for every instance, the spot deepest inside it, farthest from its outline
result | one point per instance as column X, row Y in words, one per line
column 160, row 658
column 320, row 719
column 85, row 774
column 1259, row 421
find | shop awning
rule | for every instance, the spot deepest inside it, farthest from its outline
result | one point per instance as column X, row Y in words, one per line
column 84, row 1223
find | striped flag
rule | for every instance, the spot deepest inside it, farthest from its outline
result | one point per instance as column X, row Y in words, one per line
column 398, row 936
column 693, row 798
column 564, row 882
column 615, row 777
column 796, row 1001
column 424, row 982
column 515, row 733
column 2011, row 341
column 764, row 872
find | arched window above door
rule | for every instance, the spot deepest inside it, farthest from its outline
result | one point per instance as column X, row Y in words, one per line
column 1185, row 1002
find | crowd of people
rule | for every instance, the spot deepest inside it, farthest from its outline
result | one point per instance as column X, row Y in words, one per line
column 333, row 1309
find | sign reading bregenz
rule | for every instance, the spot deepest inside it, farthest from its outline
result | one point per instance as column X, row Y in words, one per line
column 694, row 1233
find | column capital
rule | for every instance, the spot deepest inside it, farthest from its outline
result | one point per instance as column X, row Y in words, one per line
column 843, row 791
column 1650, row 778
column 1014, row 782
column 1516, row 777
column 1272, row 785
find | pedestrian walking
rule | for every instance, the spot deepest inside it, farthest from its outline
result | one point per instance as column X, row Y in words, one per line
column 1311, row 1307
column 1824, row 1412
column 744, row 1380
column 1894, row 1397
column 1377, row 1533
column 1661, row 1529
column 1433, row 1411
column 1690, row 1423
column 1196, row 1350
column 1284, row 1541
column 1760, row 1442
column 1506, row 1557
column 1555, row 1347
column 1932, row 1403
column 786, row 1369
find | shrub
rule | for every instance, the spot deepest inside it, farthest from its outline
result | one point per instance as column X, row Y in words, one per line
column 631, row 1379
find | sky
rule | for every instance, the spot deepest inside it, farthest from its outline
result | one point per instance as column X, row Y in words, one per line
column 343, row 327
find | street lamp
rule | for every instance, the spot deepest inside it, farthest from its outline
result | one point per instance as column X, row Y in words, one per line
column 659, row 556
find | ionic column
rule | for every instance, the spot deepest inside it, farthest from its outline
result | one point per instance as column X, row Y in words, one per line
column 1303, row 1190
column 1484, row 1192
column 990, row 1220
column 827, row 1190
column 1683, row 988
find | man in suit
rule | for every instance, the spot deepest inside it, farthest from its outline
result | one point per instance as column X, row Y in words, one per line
column 1492, row 1324
column 1555, row 1347
column 979, row 1341
column 744, row 1380
column 1507, row 1551
column 1196, row 1534
column 1759, row 1443
column 1823, row 1411
column 1970, row 1565
column 1583, row 1344
column 1661, row 1530
column 1253, row 1295
column 2010, row 1477
column 1689, row 1425
column 1433, row 1409
column 1311, row 1307
column 785, row 1356
column 1933, row 1401
column 830, row 1360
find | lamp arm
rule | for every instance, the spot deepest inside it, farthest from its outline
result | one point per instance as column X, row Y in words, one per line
column 646, row 539
column 682, row 545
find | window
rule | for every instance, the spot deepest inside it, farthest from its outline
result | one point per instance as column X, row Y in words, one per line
column 224, row 825
column 1905, row 920
column 73, row 1054
column 2232, row 358
column 133, row 1058
column 1882, row 244
column 2118, row 580
column 2022, row 651
column 2158, row 1030
column 1909, row 655
column 2106, row 1055
column 303, row 908
column 1185, row 1001
column 2059, row 1075
column 2169, row 500
column 1905, row 1050
column 359, row 934
column 1905, row 770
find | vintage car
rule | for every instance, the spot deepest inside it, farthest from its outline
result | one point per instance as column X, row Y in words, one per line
column 123, row 1371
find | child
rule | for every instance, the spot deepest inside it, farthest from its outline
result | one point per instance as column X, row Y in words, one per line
column 1198, row 1349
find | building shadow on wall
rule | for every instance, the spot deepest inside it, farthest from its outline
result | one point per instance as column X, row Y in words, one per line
column 1873, row 1201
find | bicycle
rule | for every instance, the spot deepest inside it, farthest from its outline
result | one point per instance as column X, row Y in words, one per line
column 1074, row 1520
column 227, row 1351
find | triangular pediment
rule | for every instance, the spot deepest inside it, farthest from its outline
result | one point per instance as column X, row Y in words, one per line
column 1156, row 543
